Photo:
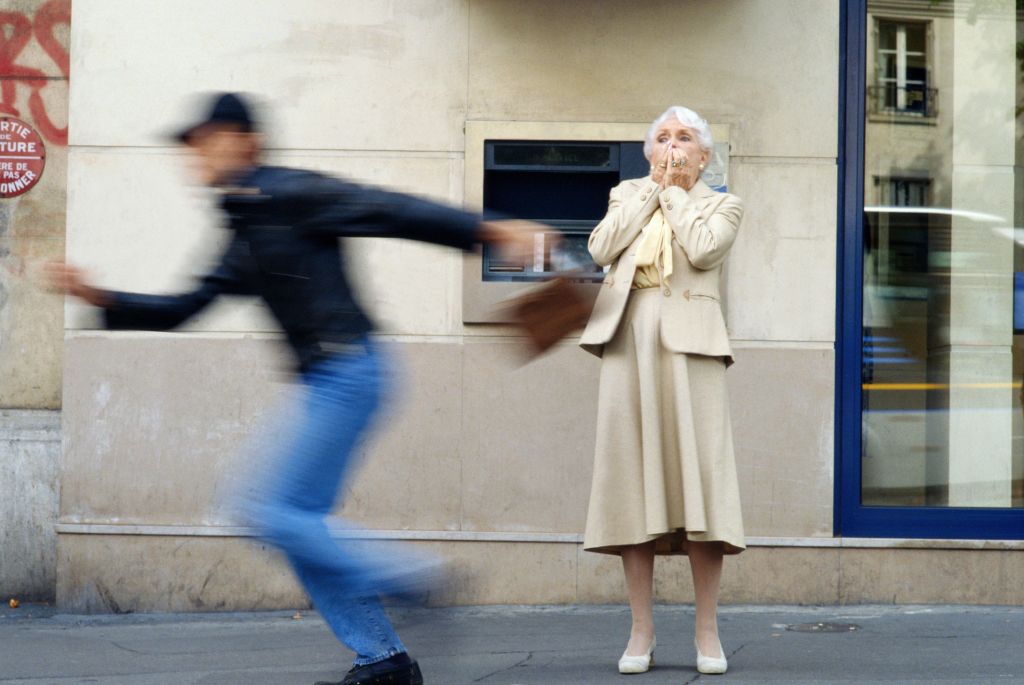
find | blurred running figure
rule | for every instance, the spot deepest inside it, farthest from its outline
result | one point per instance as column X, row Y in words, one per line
column 286, row 224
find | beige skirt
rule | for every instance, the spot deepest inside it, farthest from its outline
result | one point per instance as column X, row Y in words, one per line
column 664, row 468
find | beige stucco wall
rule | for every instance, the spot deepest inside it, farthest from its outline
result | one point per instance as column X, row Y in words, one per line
column 34, row 78
column 32, row 225
column 478, row 447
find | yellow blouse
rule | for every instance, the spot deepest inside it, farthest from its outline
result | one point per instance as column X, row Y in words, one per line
column 654, row 253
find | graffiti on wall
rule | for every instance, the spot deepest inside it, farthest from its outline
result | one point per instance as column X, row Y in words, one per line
column 34, row 59
column 16, row 32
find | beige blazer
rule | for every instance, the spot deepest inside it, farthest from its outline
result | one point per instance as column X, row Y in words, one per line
column 704, row 224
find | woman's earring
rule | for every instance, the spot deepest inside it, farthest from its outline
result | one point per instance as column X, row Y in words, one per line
column 702, row 167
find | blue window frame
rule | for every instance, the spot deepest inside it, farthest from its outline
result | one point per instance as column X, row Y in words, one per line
column 852, row 517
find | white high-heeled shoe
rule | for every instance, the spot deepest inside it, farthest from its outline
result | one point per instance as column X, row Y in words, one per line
column 638, row 664
column 710, row 665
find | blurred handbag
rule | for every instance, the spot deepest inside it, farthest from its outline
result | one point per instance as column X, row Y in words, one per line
column 550, row 312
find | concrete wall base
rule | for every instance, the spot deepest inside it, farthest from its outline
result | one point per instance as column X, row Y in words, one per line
column 169, row 573
column 29, row 456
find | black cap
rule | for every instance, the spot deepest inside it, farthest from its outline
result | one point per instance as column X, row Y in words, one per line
column 226, row 108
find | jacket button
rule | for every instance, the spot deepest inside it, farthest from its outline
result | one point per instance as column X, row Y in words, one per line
column 643, row 198
column 669, row 206
column 668, row 293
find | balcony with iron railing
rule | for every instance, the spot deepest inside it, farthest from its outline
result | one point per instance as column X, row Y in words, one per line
column 908, row 102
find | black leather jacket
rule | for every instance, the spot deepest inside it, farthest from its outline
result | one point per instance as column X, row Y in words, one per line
column 285, row 249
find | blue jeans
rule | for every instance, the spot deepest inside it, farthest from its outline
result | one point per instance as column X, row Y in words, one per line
column 339, row 398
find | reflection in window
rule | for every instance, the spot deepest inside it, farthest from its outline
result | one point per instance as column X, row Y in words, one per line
column 901, row 67
column 943, row 422
column 906, row 192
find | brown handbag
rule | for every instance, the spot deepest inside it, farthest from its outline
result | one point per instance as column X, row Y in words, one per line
column 550, row 312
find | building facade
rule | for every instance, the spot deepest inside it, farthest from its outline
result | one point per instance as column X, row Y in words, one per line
column 34, row 68
column 870, row 293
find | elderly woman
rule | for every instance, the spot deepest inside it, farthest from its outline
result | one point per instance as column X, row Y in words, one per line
column 664, row 471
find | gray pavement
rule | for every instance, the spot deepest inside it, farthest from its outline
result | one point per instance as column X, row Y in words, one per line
column 522, row 645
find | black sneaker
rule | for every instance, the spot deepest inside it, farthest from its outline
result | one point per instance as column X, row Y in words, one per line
column 396, row 670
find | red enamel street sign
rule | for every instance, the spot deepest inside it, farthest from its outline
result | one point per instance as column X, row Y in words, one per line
column 22, row 157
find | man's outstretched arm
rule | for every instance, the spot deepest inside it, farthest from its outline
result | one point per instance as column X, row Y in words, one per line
column 138, row 311
column 348, row 210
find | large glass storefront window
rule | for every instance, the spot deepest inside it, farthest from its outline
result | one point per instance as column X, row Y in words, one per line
column 943, row 255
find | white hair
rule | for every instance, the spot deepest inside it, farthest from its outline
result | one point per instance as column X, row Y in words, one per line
column 687, row 117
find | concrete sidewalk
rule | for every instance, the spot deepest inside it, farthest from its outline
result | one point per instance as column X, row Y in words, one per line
column 524, row 645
